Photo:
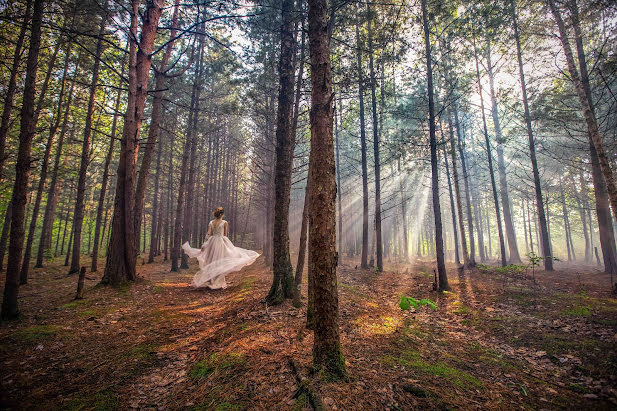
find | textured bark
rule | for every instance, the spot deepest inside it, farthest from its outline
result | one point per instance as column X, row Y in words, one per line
column 22, row 168
column 78, row 214
column 303, row 241
column 122, row 255
column 105, row 181
column 339, row 190
column 327, row 355
column 403, row 215
column 154, row 130
column 4, row 238
column 364, row 256
column 54, row 186
column 11, row 87
column 515, row 257
column 25, row 266
column 439, row 251
column 502, row 246
column 378, row 238
column 283, row 280
column 546, row 245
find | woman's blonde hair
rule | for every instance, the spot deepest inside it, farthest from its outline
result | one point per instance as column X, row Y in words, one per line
column 218, row 212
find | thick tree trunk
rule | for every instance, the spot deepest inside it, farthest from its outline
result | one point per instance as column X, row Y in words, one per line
column 327, row 354
column 502, row 246
column 441, row 265
column 22, row 168
column 546, row 241
column 378, row 238
column 515, row 257
column 122, row 255
column 364, row 257
column 283, row 279
column 78, row 214
column 11, row 87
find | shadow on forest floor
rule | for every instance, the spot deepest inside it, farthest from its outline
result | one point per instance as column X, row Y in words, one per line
column 494, row 341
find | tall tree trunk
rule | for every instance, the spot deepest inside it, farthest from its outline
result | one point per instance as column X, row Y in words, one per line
column 105, row 181
column 339, row 191
column 457, row 258
column 581, row 213
column 546, row 241
column 283, row 279
column 7, row 107
column 515, row 257
column 25, row 266
column 327, row 354
column 78, row 214
column 502, row 246
column 154, row 131
column 364, row 257
column 54, row 187
column 155, row 206
column 461, row 150
column 4, row 238
column 122, row 255
column 378, row 239
column 441, row 265
column 403, row 214
column 22, row 168
column 457, row 191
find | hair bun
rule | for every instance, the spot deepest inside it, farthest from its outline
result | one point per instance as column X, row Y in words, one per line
column 218, row 211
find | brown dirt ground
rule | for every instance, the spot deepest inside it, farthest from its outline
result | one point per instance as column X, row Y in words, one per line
column 497, row 341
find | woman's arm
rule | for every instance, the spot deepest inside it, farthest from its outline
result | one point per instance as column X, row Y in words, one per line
column 208, row 234
column 226, row 229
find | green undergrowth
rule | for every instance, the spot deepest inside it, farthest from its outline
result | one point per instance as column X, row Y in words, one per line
column 34, row 334
column 217, row 362
column 104, row 400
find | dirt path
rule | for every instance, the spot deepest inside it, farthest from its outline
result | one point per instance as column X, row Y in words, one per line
column 493, row 342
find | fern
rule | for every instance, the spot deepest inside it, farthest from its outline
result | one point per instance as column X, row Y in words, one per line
column 407, row 302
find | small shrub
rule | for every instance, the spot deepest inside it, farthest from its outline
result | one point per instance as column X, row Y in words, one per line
column 406, row 303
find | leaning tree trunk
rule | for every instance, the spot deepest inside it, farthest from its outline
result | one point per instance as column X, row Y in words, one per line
column 22, row 168
column 546, row 241
column 439, row 251
column 327, row 354
column 364, row 257
column 283, row 280
column 7, row 107
column 122, row 255
column 78, row 214
column 378, row 240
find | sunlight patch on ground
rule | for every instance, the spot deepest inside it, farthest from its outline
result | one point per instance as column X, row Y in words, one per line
column 383, row 326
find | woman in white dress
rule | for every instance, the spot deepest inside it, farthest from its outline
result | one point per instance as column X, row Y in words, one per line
column 218, row 256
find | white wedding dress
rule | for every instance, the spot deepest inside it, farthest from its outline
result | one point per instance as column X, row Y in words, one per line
column 217, row 258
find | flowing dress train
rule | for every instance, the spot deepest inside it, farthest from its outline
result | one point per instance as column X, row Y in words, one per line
column 217, row 258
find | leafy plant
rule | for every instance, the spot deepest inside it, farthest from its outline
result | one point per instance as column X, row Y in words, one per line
column 407, row 302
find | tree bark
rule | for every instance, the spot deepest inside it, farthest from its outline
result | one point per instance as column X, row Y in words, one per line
column 441, row 265
column 364, row 257
column 7, row 107
column 78, row 214
column 457, row 258
column 461, row 150
column 327, row 355
column 378, row 238
column 283, row 279
column 546, row 241
column 457, row 191
column 22, row 168
column 122, row 255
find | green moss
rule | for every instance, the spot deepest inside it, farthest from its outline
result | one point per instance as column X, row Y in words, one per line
column 332, row 367
column 578, row 311
column 411, row 359
column 123, row 288
column 72, row 304
column 226, row 406
column 36, row 333
column 215, row 362
column 88, row 313
column 104, row 400
column 157, row 289
column 143, row 351
column 301, row 402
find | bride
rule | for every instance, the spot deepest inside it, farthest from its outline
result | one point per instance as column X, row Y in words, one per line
column 218, row 256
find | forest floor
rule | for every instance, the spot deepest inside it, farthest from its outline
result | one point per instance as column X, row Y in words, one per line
column 493, row 342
